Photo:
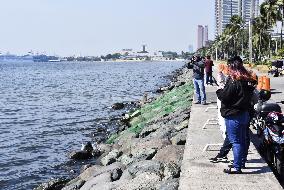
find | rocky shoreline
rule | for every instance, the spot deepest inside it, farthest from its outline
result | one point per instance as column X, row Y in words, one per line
column 147, row 152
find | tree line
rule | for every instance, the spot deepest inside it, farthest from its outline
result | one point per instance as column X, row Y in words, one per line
column 234, row 39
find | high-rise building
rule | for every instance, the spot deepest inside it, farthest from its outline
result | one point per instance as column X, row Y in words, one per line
column 200, row 36
column 205, row 35
column 225, row 9
column 257, row 10
column 218, row 17
column 250, row 9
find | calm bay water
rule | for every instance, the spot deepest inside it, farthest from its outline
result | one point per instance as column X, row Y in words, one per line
column 49, row 109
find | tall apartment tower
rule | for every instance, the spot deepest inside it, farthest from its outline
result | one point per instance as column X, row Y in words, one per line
column 250, row 9
column 200, row 36
column 218, row 17
column 205, row 35
column 225, row 9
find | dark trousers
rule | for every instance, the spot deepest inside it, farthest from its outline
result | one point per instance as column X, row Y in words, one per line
column 209, row 78
column 226, row 147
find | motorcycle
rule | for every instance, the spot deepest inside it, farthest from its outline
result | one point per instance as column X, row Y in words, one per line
column 268, row 121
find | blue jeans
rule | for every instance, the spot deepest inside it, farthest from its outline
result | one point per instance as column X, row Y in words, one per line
column 199, row 89
column 226, row 147
column 236, row 130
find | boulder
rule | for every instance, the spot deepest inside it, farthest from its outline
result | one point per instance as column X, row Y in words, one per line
column 111, row 157
column 104, row 148
column 149, row 166
column 96, row 152
column 97, row 170
column 88, row 147
column 80, row 155
column 84, row 167
column 180, row 138
column 116, row 174
column 104, row 186
column 100, row 179
column 137, row 144
column 149, row 129
column 74, row 184
column 143, row 181
column 163, row 132
column 117, row 106
column 175, row 118
column 171, row 184
column 89, row 172
column 54, row 184
column 125, row 138
column 171, row 153
column 171, row 170
column 143, row 154
column 126, row 159
column 182, row 126
column 178, row 84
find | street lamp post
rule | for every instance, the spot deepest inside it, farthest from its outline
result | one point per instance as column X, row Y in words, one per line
column 250, row 30
column 216, row 53
column 250, row 41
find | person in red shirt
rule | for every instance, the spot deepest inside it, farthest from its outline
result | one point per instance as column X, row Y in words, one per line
column 208, row 69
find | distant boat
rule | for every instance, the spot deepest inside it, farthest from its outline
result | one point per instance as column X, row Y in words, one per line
column 54, row 60
column 45, row 58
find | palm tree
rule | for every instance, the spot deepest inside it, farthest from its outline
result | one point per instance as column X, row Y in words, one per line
column 280, row 4
column 233, row 33
column 260, row 37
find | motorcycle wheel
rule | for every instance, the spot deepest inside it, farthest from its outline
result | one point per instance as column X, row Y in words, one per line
column 279, row 167
column 267, row 153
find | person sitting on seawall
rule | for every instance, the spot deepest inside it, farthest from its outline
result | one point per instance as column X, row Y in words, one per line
column 235, row 100
column 198, row 80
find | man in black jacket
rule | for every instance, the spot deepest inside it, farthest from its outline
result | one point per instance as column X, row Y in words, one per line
column 198, row 80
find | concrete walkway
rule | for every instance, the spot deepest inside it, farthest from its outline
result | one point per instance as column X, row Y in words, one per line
column 198, row 173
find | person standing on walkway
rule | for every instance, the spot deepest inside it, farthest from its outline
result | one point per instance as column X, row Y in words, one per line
column 208, row 69
column 235, row 100
column 198, row 80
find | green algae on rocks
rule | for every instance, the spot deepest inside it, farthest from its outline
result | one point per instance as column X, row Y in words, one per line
column 178, row 98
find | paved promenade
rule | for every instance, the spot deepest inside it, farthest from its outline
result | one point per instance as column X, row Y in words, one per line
column 198, row 173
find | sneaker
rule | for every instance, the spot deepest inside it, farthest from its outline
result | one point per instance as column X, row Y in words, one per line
column 218, row 159
column 231, row 165
column 203, row 103
column 232, row 171
column 197, row 102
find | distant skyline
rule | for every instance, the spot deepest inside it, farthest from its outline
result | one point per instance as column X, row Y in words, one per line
column 97, row 27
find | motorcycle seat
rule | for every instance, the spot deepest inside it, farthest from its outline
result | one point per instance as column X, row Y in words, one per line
column 269, row 107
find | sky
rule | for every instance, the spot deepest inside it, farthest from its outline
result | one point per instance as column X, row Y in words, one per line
column 98, row 27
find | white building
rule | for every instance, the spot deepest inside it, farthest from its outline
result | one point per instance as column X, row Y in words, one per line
column 225, row 9
column 200, row 36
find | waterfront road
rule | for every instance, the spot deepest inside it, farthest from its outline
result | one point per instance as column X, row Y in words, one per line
column 198, row 173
